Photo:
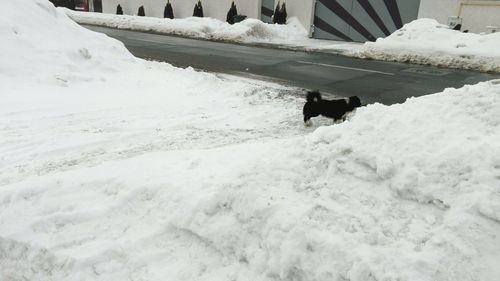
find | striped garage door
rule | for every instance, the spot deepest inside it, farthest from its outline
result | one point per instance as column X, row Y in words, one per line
column 267, row 11
column 361, row 20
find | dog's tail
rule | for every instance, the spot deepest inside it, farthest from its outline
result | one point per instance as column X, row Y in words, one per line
column 313, row 96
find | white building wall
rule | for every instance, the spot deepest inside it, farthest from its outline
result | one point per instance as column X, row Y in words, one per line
column 184, row 8
column 476, row 14
column 438, row 10
column 302, row 9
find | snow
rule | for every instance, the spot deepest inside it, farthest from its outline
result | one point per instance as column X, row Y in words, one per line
column 425, row 41
column 116, row 168
column 422, row 41
column 249, row 31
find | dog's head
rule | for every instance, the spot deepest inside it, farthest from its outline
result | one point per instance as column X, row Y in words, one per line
column 311, row 109
column 354, row 101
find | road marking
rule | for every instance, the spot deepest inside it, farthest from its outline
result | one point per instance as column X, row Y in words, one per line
column 345, row 67
column 427, row 71
column 145, row 40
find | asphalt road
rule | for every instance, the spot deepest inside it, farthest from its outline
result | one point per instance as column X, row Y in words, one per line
column 372, row 81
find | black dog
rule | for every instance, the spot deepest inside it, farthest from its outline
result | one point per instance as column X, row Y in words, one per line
column 335, row 109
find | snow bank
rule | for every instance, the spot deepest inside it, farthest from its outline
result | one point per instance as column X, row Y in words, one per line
column 249, row 30
column 31, row 43
column 151, row 172
column 425, row 41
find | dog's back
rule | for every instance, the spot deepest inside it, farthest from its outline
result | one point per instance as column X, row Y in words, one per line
column 335, row 109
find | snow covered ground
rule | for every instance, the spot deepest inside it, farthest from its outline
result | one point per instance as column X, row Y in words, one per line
column 115, row 168
column 250, row 31
column 423, row 41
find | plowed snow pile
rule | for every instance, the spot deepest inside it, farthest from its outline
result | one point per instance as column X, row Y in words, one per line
column 115, row 168
column 425, row 41
column 249, row 30
column 422, row 41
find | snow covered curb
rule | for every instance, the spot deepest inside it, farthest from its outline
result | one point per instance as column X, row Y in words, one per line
column 468, row 62
column 291, row 36
column 425, row 41
column 249, row 30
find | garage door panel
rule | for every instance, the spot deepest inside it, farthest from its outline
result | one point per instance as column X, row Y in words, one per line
column 362, row 20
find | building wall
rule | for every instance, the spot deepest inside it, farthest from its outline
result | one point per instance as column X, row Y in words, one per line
column 184, row 8
column 302, row 9
column 361, row 21
column 476, row 14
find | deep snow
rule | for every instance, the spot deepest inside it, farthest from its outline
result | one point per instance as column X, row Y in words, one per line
column 115, row 168
column 425, row 41
column 422, row 41
column 250, row 31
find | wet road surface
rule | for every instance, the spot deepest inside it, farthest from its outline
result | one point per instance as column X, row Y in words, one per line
column 372, row 81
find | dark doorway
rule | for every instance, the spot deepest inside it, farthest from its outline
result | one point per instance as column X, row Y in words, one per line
column 97, row 6
column 81, row 5
column 267, row 11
